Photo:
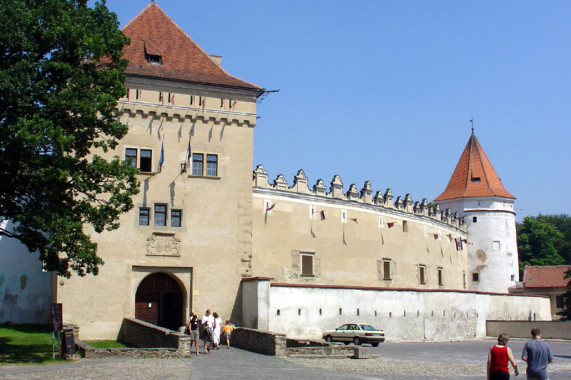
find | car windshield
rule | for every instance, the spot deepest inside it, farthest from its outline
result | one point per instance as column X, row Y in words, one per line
column 368, row 328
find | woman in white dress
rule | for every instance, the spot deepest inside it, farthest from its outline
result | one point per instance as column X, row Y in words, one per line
column 216, row 333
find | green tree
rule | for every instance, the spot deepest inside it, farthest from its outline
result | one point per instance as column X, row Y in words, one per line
column 538, row 243
column 61, row 73
column 563, row 224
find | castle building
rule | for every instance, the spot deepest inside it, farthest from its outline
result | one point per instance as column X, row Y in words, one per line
column 206, row 232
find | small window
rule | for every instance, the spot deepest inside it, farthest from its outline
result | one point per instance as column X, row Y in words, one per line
column 176, row 218
column 154, row 59
column 512, row 277
column 146, row 162
column 312, row 212
column 380, row 221
column 191, row 100
column 422, row 274
column 307, row 265
column 144, row 216
column 160, row 215
column 161, row 97
column 475, row 219
column 138, row 94
column 404, row 226
column 464, row 280
column 344, row 216
column 495, row 245
column 131, row 157
column 475, row 277
column 212, row 165
column 476, row 179
column 386, row 269
column 440, row 279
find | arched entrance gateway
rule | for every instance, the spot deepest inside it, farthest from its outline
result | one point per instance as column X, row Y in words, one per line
column 159, row 301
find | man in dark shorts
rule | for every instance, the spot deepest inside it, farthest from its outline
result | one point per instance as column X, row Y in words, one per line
column 537, row 354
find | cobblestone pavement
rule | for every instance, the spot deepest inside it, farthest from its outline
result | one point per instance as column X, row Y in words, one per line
column 391, row 361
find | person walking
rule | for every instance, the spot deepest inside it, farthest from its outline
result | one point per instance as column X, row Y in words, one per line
column 193, row 331
column 217, row 326
column 537, row 354
column 206, row 324
column 228, row 332
column 498, row 359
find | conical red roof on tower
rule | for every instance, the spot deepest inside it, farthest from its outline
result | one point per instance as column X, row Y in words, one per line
column 474, row 176
column 159, row 48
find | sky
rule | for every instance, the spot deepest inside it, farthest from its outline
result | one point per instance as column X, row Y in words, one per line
column 383, row 91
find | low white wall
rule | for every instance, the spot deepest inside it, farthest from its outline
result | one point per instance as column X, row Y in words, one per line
column 25, row 291
column 405, row 315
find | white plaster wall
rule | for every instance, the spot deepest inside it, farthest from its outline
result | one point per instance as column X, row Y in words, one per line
column 25, row 291
column 404, row 315
column 498, row 269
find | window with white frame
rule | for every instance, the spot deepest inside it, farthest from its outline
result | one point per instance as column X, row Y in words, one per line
column 312, row 212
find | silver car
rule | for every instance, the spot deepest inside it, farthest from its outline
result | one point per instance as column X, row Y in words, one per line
column 357, row 333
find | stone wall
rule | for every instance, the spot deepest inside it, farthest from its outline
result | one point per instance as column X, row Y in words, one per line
column 141, row 334
column 262, row 342
column 522, row 329
column 305, row 311
column 90, row 352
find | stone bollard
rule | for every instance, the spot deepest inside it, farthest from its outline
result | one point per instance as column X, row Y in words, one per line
column 360, row 352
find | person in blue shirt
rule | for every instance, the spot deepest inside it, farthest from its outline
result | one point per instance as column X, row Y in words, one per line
column 537, row 354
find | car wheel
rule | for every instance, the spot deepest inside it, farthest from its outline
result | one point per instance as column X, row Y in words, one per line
column 357, row 341
column 328, row 339
column 376, row 344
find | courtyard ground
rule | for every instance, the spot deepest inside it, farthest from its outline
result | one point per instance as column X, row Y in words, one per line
column 392, row 361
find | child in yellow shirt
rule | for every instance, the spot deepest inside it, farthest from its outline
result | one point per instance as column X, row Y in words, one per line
column 228, row 332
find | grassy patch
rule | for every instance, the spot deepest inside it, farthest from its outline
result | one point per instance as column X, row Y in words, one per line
column 106, row 344
column 25, row 344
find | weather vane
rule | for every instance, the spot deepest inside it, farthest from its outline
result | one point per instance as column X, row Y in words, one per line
column 472, row 124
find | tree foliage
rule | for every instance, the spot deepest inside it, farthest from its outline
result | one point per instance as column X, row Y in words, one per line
column 538, row 243
column 563, row 223
column 61, row 73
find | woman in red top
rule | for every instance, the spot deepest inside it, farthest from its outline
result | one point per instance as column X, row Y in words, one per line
column 498, row 360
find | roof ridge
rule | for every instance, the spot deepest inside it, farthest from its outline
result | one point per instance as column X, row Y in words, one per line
column 138, row 15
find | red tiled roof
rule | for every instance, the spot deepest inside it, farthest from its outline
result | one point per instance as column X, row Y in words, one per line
column 474, row 176
column 153, row 32
column 546, row 277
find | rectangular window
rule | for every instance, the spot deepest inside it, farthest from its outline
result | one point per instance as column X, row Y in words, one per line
column 306, row 264
column 191, row 99
column 464, row 279
column 176, row 218
column 161, row 97
column 386, row 269
column 422, row 274
column 212, row 165
column 138, row 94
column 197, row 163
column 475, row 277
column 144, row 216
column 131, row 156
column 404, row 226
column 475, row 219
column 160, row 215
column 146, row 160
column 440, row 279
column 344, row 216
column 495, row 245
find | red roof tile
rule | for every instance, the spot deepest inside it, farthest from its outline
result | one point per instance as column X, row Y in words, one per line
column 546, row 277
column 474, row 176
column 153, row 32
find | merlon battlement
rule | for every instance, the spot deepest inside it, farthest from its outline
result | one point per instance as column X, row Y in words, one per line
column 364, row 196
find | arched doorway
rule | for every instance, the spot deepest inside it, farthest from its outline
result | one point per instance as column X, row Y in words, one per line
column 159, row 301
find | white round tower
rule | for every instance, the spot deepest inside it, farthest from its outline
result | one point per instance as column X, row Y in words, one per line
column 477, row 194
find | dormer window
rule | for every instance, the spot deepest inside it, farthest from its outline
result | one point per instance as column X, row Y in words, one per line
column 154, row 59
column 476, row 179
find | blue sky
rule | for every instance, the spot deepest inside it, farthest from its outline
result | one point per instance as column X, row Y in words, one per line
column 384, row 90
